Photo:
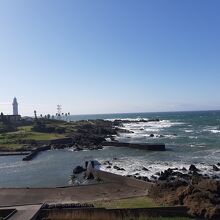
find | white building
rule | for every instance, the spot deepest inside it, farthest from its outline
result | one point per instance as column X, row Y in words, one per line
column 15, row 106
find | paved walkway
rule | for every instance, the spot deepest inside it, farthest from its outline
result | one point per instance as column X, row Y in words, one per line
column 114, row 187
column 25, row 212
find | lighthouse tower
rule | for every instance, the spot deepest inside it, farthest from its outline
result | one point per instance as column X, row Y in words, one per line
column 15, row 106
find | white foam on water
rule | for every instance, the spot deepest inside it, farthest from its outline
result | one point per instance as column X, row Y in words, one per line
column 145, row 129
column 170, row 136
column 196, row 146
column 215, row 131
column 127, row 119
column 193, row 137
column 212, row 129
column 134, row 166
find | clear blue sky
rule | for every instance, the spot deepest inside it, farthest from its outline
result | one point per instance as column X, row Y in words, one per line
column 110, row 56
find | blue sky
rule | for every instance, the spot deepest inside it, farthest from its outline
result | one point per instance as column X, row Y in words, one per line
column 109, row 56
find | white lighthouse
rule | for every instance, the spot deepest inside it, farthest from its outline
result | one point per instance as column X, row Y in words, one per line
column 15, row 106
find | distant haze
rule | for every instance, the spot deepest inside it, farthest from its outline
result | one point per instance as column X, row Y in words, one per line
column 109, row 56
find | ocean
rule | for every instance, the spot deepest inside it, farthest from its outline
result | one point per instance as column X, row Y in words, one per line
column 190, row 138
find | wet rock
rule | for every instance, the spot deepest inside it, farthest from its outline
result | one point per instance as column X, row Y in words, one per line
column 153, row 177
column 90, row 176
column 151, row 135
column 99, row 147
column 118, row 168
column 184, row 169
column 215, row 177
column 145, row 178
column 182, row 175
column 215, row 168
column 193, row 168
column 78, row 170
column 144, row 169
column 166, row 174
column 107, row 162
column 60, row 146
column 78, row 149
column 174, row 168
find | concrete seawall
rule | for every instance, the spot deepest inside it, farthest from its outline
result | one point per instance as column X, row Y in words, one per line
column 35, row 152
column 112, row 214
column 14, row 153
column 108, row 177
column 148, row 146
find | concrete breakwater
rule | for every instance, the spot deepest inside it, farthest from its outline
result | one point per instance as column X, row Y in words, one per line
column 147, row 146
column 60, row 142
column 56, row 143
column 34, row 152
column 14, row 153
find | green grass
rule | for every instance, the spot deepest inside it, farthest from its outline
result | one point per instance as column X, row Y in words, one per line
column 43, row 136
column 137, row 202
column 11, row 140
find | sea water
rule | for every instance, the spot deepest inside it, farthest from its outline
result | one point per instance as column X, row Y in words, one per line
column 190, row 138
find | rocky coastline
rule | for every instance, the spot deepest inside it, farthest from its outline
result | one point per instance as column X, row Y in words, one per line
column 199, row 193
column 79, row 135
column 185, row 187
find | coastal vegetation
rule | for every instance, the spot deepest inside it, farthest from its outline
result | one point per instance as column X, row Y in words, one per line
column 135, row 202
column 26, row 135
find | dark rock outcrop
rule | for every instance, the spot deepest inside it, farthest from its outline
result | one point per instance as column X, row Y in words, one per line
column 215, row 168
column 144, row 169
column 147, row 146
column 118, row 168
column 78, row 170
column 201, row 195
column 193, row 168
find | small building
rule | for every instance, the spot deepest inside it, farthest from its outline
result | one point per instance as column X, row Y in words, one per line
column 11, row 118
